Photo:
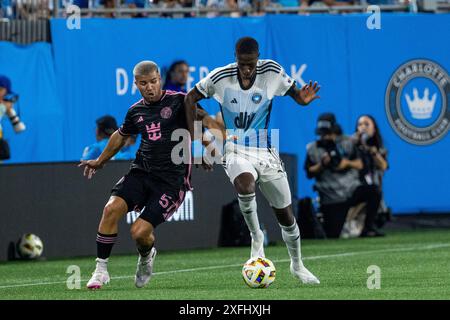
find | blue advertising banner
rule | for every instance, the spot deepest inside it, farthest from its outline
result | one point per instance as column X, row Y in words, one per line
column 355, row 66
column 30, row 69
column 398, row 74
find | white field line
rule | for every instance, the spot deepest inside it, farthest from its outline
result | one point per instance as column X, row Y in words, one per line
column 337, row 255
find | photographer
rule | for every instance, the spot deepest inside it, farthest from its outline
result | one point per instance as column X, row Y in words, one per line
column 370, row 144
column 334, row 162
column 7, row 100
column 374, row 156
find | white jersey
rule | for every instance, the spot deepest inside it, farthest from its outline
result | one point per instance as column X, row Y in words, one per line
column 246, row 113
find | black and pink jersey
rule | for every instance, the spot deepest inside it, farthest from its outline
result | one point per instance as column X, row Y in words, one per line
column 155, row 123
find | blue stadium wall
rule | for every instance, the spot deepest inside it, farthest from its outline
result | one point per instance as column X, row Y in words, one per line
column 86, row 73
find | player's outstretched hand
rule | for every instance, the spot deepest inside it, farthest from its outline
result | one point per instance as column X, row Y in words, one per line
column 90, row 167
column 308, row 92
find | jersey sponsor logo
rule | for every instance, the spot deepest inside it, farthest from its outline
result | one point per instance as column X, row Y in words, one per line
column 234, row 100
column 417, row 102
column 140, row 119
column 154, row 131
column 244, row 120
column 256, row 98
column 166, row 112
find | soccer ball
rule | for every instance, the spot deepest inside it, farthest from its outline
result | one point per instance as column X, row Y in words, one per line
column 258, row 272
column 30, row 246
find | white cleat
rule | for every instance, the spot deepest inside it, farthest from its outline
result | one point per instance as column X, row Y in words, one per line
column 257, row 246
column 98, row 279
column 304, row 275
column 144, row 269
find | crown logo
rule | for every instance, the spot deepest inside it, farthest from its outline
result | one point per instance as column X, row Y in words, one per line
column 421, row 108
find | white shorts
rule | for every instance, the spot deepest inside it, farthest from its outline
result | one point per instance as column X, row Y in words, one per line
column 266, row 167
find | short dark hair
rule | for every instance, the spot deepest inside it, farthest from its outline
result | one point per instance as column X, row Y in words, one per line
column 247, row 45
column 143, row 68
column 106, row 125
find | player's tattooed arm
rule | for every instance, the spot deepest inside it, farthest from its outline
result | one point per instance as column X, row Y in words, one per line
column 115, row 143
column 190, row 108
column 305, row 95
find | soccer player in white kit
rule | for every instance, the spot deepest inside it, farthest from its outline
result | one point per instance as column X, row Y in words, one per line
column 245, row 90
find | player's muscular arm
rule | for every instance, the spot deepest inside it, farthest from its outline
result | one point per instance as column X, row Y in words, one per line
column 190, row 108
column 115, row 143
column 305, row 95
column 216, row 128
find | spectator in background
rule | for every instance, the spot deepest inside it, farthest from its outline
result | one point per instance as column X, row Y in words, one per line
column 6, row 9
column 232, row 5
column 25, row 9
column 316, row 3
column 334, row 162
column 106, row 126
column 177, row 76
column 171, row 4
column 141, row 4
column 259, row 6
column 109, row 4
column 34, row 9
column 188, row 4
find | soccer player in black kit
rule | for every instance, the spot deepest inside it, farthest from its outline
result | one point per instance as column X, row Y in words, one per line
column 155, row 184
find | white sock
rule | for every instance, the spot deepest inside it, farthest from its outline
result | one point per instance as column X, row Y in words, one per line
column 102, row 264
column 291, row 236
column 247, row 204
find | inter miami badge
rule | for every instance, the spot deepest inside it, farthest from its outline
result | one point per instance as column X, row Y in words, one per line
column 166, row 113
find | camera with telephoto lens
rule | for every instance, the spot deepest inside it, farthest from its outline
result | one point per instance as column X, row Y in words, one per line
column 17, row 124
column 332, row 150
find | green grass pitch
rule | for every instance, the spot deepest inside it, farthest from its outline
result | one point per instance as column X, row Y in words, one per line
column 413, row 264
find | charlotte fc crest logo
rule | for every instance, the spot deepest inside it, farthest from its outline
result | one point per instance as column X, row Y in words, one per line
column 256, row 98
column 417, row 103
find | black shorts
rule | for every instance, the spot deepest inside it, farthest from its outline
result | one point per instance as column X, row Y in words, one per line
column 154, row 198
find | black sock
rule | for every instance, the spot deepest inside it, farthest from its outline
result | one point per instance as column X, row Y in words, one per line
column 144, row 250
column 105, row 243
